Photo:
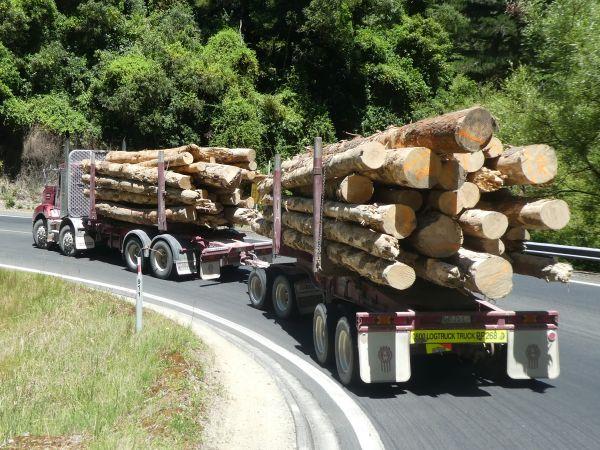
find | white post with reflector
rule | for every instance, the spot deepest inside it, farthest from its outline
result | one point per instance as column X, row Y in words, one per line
column 139, row 297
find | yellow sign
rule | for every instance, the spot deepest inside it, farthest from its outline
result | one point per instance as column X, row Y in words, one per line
column 458, row 336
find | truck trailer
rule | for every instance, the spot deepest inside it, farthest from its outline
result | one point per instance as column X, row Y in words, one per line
column 67, row 218
column 371, row 331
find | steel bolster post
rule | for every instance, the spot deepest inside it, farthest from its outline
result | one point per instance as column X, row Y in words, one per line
column 92, row 212
column 162, row 220
column 277, row 205
column 317, row 203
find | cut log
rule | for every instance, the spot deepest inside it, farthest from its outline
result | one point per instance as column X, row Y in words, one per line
column 408, row 197
column 437, row 272
column 213, row 174
column 137, row 173
column 491, row 246
column 365, row 157
column 436, row 235
column 211, row 221
column 494, row 148
column 415, row 167
column 517, row 234
column 394, row 274
column 144, row 216
column 222, row 155
column 142, row 155
column 486, row 274
column 353, row 188
column 463, row 131
column 483, row 224
column 396, row 220
column 378, row 244
column 452, row 175
column 532, row 164
column 252, row 165
column 174, row 160
column 540, row 267
column 487, row 180
column 545, row 214
column 205, row 205
column 234, row 198
column 471, row 162
column 185, row 196
column 453, row 202
column 240, row 216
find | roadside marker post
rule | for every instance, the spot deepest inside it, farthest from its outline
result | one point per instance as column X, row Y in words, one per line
column 139, row 297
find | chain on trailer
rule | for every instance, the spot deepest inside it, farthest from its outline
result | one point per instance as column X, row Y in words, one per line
column 318, row 215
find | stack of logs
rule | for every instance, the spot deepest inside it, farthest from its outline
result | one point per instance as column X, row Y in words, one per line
column 432, row 199
column 205, row 186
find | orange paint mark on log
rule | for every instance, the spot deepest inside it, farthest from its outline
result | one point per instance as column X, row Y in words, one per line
column 469, row 136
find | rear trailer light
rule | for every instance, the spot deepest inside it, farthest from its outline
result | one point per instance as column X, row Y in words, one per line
column 551, row 336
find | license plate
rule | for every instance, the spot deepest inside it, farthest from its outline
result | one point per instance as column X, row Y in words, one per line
column 458, row 336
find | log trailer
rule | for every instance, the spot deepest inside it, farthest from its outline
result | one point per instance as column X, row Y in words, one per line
column 68, row 218
column 371, row 331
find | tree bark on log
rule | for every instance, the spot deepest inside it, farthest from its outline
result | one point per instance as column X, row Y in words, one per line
column 234, row 198
column 137, row 173
column 394, row 274
column 378, row 244
column 396, row 220
column 222, row 155
column 483, row 223
column 143, row 216
column 471, row 162
column 415, row 167
column 240, row 216
column 540, row 267
column 213, row 174
column 532, row 164
column 544, row 214
column 365, row 157
column 184, row 196
column 436, row 235
column 394, row 196
column 463, row 131
column 451, row 176
column 353, row 188
column 437, row 272
column 205, row 205
column 486, row 274
column 252, row 165
column 487, row 180
column 494, row 148
column 517, row 234
column 491, row 246
column 175, row 160
column 122, row 157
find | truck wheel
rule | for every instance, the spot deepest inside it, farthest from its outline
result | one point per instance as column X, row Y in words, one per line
column 346, row 352
column 66, row 239
column 161, row 260
column 131, row 250
column 284, row 300
column 323, row 334
column 258, row 289
column 40, row 234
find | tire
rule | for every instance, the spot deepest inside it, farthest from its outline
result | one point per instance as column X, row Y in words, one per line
column 66, row 240
column 132, row 248
column 40, row 234
column 323, row 338
column 284, row 299
column 259, row 290
column 161, row 260
column 346, row 352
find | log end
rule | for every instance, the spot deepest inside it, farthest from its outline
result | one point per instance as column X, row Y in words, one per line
column 493, row 224
column 469, row 195
column 356, row 189
column 492, row 277
column 475, row 130
column 539, row 164
column 494, row 148
column 555, row 214
column 421, row 168
column 399, row 221
column 373, row 155
column 437, row 236
column 399, row 275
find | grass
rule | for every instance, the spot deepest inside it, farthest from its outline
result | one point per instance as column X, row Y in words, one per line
column 73, row 373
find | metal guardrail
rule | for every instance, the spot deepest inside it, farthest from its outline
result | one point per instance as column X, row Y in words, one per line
column 564, row 251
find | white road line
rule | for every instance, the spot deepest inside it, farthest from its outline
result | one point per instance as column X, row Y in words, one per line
column 587, row 283
column 13, row 231
column 364, row 430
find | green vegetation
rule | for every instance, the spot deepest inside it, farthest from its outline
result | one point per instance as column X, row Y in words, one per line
column 271, row 75
column 72, row 371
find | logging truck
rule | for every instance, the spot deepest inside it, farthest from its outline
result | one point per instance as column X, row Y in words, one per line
column 369, row 331
column 67, row 217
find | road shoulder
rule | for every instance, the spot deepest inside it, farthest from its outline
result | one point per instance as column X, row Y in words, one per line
column 250, row 412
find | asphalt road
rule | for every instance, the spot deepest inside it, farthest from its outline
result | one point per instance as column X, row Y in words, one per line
column 446, row 404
